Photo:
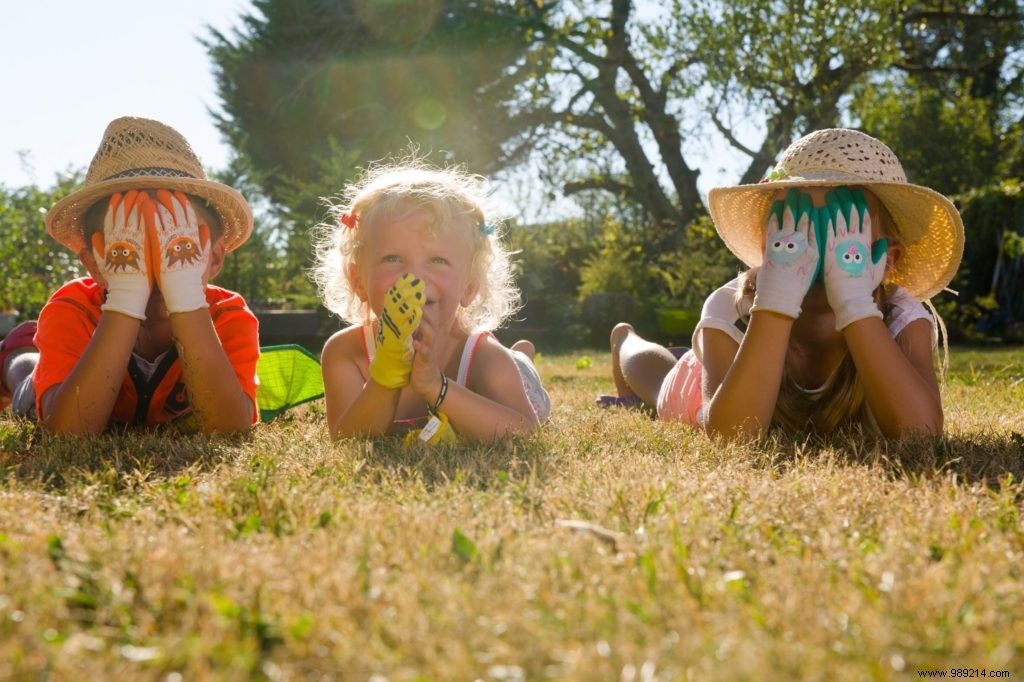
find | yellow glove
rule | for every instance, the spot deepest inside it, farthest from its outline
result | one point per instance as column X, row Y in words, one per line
column 403, row 308
column 437, row 431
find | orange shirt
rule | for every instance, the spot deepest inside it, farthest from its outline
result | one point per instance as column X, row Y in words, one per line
column 67, row 323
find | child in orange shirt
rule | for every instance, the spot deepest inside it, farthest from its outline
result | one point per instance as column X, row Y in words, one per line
column 145, row 339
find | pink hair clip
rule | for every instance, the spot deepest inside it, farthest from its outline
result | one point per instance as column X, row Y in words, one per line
column 349, row 220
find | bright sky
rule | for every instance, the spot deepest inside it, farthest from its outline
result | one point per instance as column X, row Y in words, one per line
column 69, row 68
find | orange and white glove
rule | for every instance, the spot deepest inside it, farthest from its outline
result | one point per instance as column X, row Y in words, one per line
column 120, row 253
column 179, row 249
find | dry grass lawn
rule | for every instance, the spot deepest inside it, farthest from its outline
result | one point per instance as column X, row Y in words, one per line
column 609, row 547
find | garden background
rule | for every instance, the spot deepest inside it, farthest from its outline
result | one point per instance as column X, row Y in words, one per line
column 587, row 115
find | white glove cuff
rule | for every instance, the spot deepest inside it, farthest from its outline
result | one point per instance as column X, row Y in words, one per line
column 128, row 302
column 789, row 310
column 857, row 309
column 183, row 292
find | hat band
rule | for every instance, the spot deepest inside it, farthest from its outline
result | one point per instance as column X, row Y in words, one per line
column 149, row 172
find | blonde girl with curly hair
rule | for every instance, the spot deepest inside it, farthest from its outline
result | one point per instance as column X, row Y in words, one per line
column 828, row 326
column 412, row 257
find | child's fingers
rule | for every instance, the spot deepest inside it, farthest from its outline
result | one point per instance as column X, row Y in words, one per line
column 835, row 212
column 165, row 207
column 130, row 198
column 803, row 223
column 180, row 201
column 860, row 207
column 790, row 215
column 774, row 223
column 98, row 249
column 190, row 211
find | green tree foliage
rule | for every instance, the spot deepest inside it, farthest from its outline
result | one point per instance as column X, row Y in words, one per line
column 951, row 105
column 312, row 89
column 35, row 265
column 785, row 66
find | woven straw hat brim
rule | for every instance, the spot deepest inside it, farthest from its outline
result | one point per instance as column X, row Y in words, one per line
column 929, row 226
column 64, row 220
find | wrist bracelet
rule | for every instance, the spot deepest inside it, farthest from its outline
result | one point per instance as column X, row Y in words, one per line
column 440, row 395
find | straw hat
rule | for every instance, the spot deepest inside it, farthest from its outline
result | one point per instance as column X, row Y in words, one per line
column 138, row 153
column 927, row 224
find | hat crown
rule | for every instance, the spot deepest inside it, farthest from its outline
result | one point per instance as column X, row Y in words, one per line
column 140, row 146
column 843, row 155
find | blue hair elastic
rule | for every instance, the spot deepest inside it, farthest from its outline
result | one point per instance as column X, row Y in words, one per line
column 486, row 229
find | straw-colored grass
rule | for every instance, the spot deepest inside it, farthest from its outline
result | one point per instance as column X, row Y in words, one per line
column 608, row 547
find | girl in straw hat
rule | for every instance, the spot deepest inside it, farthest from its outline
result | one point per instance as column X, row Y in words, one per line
column 827, row 327
column 145, row 338
column 413, row 258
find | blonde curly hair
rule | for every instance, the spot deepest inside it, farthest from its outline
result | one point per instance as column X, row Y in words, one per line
column 458, row 204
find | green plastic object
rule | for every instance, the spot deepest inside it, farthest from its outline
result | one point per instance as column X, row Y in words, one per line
column 289, row 375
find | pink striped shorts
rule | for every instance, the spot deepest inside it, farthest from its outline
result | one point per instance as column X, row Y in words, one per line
column 680, row 397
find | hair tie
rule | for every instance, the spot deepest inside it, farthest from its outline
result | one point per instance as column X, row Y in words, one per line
column 486, row 229
column 349, row 220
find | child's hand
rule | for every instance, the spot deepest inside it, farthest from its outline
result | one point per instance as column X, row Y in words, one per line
column 854, row 265
column 790, row 256
column 179, row 247
column 120, row 253
column 403, row 309
column 425, row 379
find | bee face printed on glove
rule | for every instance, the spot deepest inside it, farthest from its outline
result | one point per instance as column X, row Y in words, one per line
column 181, row 250
column 852, row 257
column 786, row 248
column 122, row 256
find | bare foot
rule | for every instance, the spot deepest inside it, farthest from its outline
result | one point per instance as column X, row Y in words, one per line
column 619, row 334
column 525, row 347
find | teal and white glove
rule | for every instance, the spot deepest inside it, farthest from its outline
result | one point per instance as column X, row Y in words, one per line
column 854, row 264
column 403, row 309
column 791, row 256
column 120, row 253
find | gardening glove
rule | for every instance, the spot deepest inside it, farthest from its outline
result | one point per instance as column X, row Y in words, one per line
column 438, row 431
column 854, row 265
column 120, row 252
column 403, row 308
column 790, row 256
column 179, row 251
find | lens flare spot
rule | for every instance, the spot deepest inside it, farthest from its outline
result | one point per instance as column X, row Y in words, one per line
column 430, row 114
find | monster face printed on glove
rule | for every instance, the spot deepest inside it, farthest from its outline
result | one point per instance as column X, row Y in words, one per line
column 852, row 257
column 786, row 248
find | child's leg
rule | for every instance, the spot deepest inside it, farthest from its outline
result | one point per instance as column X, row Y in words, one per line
column 638, row 366
column 19, row 366
column 23, row 400
column 523, row 352
column 525, row 347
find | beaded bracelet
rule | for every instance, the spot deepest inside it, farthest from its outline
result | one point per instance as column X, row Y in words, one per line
column 440, row 395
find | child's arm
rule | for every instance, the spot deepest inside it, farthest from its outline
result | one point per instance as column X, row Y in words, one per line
column 741, row 382
column 218, row 401
column 84, row 401
column 355, row 405
column 495, row 406
column 898, row 377
column 741, row 385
